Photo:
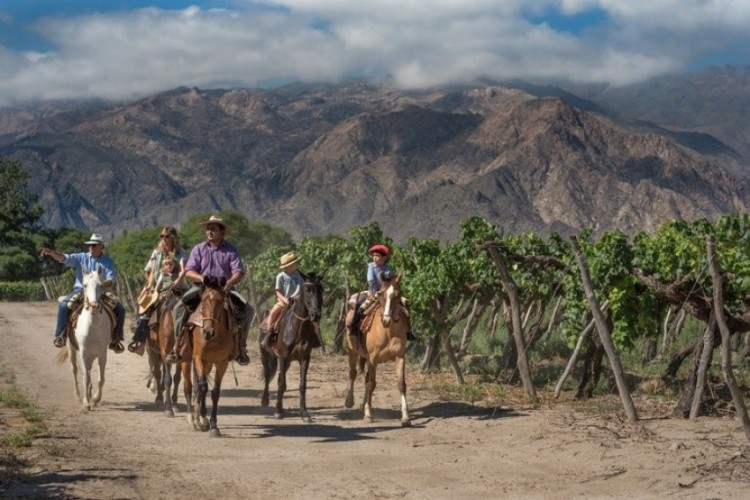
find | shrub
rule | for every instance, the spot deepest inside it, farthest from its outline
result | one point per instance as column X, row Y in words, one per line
column 21, row 291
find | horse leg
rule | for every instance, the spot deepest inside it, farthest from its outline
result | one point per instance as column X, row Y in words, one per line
column 281, row 388
column 73, row 356
column 369, row 389
column 353, row 359
column 304, row 364
column 100, row 386
column 221, row 368
column 185, row 368
column 156, row 376
column 401, row 376
column 266, row 360
column 199, row 406
column 176, row 380
column 87, row 365
column 166, row 384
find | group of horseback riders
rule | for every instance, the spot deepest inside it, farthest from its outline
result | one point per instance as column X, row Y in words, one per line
column 214, row 257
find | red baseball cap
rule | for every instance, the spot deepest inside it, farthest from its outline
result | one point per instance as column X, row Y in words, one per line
column 381, row 249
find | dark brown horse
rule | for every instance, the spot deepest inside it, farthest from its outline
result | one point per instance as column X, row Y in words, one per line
column 158, row 345
column 298, row 335
column 213, row 347
column 385, row 328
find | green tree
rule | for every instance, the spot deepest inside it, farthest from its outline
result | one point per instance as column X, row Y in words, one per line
column 250, row 237
column 20, row 212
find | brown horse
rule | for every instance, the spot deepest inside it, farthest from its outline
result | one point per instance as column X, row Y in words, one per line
column 298, row 335
column 158, row 345
column 213, row 347
column 385, row 328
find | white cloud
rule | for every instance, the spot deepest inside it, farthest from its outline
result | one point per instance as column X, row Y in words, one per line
column 417, row 43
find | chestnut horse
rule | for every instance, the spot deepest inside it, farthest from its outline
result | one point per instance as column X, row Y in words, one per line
column 158, row 345
column 213, row 347
column 386, row 326
column 297, row 336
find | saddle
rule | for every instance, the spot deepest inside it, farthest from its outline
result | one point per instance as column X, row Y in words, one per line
column 75, row 304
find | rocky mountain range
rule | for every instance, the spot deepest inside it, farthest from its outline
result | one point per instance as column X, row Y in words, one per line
column 318, row 159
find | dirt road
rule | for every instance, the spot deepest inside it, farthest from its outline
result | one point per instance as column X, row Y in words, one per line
column 126, row 448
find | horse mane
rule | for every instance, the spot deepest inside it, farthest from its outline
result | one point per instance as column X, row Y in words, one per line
column 214, row 282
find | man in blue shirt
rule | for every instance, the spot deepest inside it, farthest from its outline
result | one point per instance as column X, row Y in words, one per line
column 213, row 257
column 85, row 262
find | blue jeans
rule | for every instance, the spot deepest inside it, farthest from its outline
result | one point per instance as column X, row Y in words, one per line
column 63, row 315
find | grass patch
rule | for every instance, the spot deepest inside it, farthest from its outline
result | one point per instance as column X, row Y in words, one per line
column 492, row 394
column 22, row 421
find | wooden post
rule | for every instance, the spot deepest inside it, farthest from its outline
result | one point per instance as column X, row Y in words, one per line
column 700, row 378
column 604, row 334
column 515, row 305
column 726, row 348
column 576, row 351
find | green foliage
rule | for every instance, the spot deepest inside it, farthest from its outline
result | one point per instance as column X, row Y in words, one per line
column 250, row 237
column 19, row 213
column 131, row 252
column 21, row 291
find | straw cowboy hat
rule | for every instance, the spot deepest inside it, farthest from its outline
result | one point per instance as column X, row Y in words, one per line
column 146, row 299
column 288, row 259
column 214, row 219
column 96, row 239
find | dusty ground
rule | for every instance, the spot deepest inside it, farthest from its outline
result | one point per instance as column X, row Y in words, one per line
column 126, row 448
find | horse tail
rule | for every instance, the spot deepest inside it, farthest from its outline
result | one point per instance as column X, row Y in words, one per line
column 62, row 356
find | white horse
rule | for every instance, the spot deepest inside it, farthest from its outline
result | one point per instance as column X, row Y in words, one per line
column 92, row 336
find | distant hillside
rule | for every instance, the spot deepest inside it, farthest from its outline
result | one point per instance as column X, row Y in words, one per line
column 317, row 159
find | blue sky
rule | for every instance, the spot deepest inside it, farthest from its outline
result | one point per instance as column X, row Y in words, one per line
column 119, row 49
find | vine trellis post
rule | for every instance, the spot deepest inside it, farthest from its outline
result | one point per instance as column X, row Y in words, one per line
column 726, row 348
column 604, row 334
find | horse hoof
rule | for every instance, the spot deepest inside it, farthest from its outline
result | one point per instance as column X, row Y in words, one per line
column 349, row 403
column 307, row 419
column 406, row 423
column 278, row 416
column 368, row 420
column 264, row 402
column 214, row 433
column 169, row 413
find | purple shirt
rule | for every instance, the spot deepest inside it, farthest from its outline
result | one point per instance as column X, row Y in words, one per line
column 222, row 261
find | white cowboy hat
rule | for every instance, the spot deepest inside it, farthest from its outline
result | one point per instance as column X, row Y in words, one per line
column 146, row 299
column 288, row 259
column 96, row 239
column 214, row 220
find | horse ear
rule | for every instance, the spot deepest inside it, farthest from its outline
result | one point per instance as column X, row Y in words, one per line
column 207, row 280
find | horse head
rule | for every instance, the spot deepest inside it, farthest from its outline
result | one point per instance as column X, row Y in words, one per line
column 390, row 293
column 312, row 295
column 212, row 305
column 92, row 288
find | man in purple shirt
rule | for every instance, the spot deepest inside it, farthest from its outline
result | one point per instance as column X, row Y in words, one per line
column 213, row 257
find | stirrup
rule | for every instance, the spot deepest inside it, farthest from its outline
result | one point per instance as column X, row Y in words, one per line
column 137, row 347
column 243, row 359
column 173, row 357
column 116, row 346
column 59, row 342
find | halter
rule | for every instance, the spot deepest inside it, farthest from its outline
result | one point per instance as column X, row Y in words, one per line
column 308, row 309
column 205, row 318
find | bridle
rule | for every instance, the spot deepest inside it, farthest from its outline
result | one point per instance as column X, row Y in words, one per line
column 311, row 293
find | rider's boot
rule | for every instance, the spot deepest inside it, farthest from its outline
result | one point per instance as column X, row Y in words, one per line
column 242, row 357
column 138, row 345
column 268, row 333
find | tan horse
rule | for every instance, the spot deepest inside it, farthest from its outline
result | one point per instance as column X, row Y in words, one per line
column 384, row 329
column 213, row 347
